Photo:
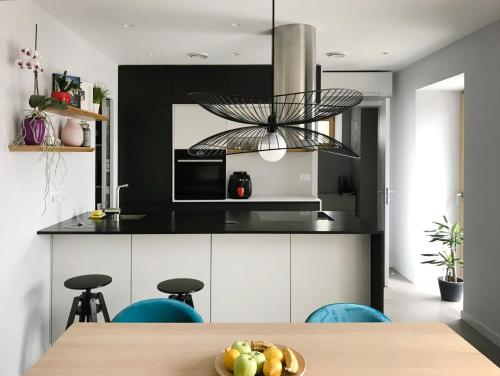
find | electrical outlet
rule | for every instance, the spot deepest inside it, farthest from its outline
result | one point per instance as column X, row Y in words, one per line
column 304, row 177
column 55, row 196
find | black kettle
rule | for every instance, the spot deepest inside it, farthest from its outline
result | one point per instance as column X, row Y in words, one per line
column 239, row 185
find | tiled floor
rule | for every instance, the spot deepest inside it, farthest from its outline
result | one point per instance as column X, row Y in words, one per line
column 406, row 302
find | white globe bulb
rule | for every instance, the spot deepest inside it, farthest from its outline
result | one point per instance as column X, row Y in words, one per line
column 273, row 140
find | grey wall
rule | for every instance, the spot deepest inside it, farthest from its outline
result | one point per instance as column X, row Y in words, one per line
column 478, row 56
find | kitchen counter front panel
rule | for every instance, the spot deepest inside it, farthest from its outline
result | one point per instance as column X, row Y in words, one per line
column 248, row 277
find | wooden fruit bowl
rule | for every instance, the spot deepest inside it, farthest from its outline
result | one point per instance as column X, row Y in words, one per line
column 219, row 364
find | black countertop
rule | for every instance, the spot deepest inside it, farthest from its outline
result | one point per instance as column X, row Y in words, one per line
column 279, row 222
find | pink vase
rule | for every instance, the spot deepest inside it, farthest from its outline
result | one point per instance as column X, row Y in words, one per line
column 72, row 133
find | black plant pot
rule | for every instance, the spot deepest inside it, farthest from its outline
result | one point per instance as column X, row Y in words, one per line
column 451, row 291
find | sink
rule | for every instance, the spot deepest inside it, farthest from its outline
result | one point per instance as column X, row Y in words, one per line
column 294, row 216
column 131, row 217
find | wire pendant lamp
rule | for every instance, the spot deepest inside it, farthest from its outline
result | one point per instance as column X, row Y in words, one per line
column 274, row 120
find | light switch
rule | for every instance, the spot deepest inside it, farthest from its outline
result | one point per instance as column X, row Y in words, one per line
column 304, row 177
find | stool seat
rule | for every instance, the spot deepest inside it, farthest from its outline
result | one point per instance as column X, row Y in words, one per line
column 87, row 282
column 180, row 286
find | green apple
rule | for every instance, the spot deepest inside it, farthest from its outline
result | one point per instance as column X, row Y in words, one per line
column 245, row 365
column 242, row 346
column 260, row 359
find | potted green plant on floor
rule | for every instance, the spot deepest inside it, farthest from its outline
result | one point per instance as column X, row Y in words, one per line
column 450, row 236
column 99, row 93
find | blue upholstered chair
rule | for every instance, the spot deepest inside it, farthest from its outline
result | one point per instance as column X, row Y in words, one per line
column 344, row 312
column 158, row 310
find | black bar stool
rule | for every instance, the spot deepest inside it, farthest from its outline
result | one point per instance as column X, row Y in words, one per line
column 85, row 304
column 181, row 289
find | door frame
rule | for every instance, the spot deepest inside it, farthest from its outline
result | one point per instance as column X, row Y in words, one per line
column 384, row 124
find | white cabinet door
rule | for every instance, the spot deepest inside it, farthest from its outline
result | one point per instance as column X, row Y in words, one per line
column 193, row 123
column 74, row 255
column 250, row 278
column 328, row 268
column 156, row 258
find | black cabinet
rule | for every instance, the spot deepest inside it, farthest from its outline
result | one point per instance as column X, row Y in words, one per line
column 145, row 97
column 145, row 84
column 249, row 80
column 205, row 78
column 145, row 156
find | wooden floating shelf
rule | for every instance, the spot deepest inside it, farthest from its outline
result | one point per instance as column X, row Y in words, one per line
column 78, row 113
column 41, row 148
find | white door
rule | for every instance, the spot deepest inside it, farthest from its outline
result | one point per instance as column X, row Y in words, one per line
column 250, row 278
column 156, row 258
column 328, row 268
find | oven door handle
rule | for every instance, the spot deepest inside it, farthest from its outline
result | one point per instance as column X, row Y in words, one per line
column 200, row 160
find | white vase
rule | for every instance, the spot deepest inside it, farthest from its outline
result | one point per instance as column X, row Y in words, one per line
column 97, row 107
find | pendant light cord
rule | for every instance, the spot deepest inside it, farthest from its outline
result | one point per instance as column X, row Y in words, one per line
column 273, row 112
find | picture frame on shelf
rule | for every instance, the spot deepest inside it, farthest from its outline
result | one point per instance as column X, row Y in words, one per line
column 87, row 97
column 75, row 99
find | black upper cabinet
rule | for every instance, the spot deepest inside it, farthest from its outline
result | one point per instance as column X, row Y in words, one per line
column 189, row 78
column 249, row 80
column 145, row 84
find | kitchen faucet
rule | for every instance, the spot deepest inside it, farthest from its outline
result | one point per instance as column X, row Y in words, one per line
column 116, row 210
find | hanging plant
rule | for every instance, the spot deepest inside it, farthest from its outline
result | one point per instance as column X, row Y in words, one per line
column 36, row 127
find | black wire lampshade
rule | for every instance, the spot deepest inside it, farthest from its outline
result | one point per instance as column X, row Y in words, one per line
column 258, row 138
column 272, row 119
column 289, row 109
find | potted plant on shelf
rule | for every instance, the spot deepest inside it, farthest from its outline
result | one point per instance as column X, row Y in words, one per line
column 99, row 93
column 450, row 236
column 64, row 88
column 36, row 122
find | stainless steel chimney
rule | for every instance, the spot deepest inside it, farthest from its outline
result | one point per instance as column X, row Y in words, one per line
column 294, row 60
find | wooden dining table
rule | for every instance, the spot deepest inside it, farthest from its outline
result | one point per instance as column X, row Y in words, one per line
column 100, row 349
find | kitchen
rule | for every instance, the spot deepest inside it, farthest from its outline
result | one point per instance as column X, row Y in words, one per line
column 247, row 191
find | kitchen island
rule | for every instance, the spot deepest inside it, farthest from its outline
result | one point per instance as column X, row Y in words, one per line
column 263, row 266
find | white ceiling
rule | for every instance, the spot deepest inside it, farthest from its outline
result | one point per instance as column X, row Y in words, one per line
column 170, row 29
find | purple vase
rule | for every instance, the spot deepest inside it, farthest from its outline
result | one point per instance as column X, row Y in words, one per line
column 34, row 131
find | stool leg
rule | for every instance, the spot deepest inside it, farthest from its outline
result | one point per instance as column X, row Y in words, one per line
column 103, row 307
column 93, row 310
column 72, row 312
column 188, row 299
column 85, row 307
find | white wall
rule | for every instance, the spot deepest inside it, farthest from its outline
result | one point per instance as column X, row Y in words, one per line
column 437, row 166
column 478, row 56
column 25, row 256
column 279, row 178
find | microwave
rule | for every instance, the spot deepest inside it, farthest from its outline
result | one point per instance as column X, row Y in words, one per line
column 199, row 178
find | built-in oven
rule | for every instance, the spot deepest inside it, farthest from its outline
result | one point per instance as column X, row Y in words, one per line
column 199, row 178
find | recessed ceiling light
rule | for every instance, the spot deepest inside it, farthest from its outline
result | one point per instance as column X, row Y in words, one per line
column 127, row 25
column 151, row 54
column 235, row 53
column 336, row 54
column 235, row 24
column 385, row 53
column 198, row 55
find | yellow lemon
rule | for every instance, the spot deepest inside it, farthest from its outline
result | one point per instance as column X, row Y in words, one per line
column 272, row 367
column 230, row 356
column 273, row 352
